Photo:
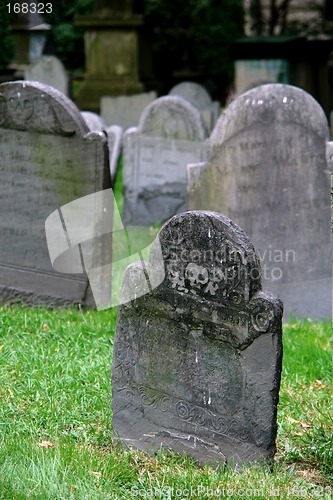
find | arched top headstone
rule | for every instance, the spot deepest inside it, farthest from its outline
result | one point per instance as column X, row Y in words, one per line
column 197, row 357
column 209, row 259
column 267, row 170
column 173, row 118
column 193, row 92
column 268, row 104
column 35, row 107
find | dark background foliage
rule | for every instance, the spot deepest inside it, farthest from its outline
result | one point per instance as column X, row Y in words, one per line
column 6, row 43
column 191, row 38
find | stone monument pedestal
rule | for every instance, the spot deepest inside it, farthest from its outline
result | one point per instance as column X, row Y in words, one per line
column 112, row 54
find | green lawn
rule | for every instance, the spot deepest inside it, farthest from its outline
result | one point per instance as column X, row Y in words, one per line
column 55, row 418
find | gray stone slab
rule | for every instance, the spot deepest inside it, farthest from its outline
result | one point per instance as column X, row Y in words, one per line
column 114, row 138
column 197, row 360
column 50, row 71
column 268, row 171
column 198, row 95
column 171, row 134
column 114, row 135
column 125, row 111
column 48, row 158
column 329, row 155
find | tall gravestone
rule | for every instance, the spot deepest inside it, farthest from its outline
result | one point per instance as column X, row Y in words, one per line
column 114, row 136
column 268, row 171
column 197, row 94
column 48, row 158
column 170, row 135
column 197, row 360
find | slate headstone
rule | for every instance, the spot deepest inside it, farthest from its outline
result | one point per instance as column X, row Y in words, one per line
column 197, row 360
column 198, row 95
column 171, row 134
column 114, row 136
column 48, row 158
column 50, row 71
column 268, row 172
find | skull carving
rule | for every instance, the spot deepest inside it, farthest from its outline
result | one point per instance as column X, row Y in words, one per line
column 197, row 275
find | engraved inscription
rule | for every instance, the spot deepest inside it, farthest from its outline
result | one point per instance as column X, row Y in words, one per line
column 208, row 420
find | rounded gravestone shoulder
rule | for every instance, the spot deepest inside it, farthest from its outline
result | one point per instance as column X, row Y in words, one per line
column 193, row 92
column 207, row 255
column 267, row 104
column 173, row 117
column 35, row 107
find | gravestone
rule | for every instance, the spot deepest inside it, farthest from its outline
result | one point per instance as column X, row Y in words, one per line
column 50, row 71
column 125, row 111
column 114, row 137
column 329, row 155
column 48, row 159
column 268, row 172
column 197, row 360
column 94, row 121
column 170, row 135
column 198, row 95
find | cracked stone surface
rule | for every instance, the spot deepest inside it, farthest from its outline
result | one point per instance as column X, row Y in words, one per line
column 197, row 360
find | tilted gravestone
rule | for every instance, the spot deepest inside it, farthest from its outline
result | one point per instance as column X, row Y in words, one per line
column 197, row 360
column 49, row 70
column 199, row 96
column 170, row 135
column 268, row 171
column 48, row 158
column 114, row 135
column 94, row 121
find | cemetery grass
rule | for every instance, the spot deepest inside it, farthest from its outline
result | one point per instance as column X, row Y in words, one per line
column 56, row 422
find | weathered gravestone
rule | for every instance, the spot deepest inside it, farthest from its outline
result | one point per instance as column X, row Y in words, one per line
column 114, row 136
column 48, row 158
column 50, row 71
column 94, row 121
column 170, row 135
column 268, row 171
column 197, row 94
column 197, row 361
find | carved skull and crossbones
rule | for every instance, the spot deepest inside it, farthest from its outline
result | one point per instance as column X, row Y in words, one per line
column 197, row 275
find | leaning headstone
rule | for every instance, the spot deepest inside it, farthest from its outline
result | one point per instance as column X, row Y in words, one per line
column 114, row 135
column 197, row 360
column 198, row 95
column 329, row 155
column 268, row 172
column 125, row 111
column 48, row 158
column 94, row 121
column 50, row 71
column 171, row 134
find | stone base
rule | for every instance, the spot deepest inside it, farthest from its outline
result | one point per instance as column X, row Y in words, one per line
column 92, row 90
